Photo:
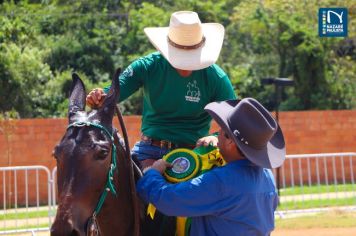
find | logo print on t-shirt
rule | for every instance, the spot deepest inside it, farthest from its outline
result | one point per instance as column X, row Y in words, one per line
column 193, row 93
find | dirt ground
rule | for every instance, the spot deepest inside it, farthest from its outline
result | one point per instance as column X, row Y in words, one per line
column 316, row 232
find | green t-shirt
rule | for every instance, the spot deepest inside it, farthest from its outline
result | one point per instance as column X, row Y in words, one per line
column 173, row 106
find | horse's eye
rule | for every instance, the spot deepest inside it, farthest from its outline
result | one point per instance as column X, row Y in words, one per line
column 103, row 153
column 102, row 149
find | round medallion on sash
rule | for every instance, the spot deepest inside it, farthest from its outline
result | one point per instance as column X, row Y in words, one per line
column 186, row 165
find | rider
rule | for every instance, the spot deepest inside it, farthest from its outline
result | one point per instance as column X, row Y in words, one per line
column 178, row 81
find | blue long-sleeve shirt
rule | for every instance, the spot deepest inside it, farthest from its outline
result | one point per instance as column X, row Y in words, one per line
column 237, row 199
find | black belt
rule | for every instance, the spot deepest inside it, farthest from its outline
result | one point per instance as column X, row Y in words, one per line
column 165, row 143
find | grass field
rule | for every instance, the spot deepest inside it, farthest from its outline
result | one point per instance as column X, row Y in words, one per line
column 30, row 226
column 317, row 203
column 24, row 215
column 334, row 223
column 295, row 198
column 315, row 189
column 332, row 219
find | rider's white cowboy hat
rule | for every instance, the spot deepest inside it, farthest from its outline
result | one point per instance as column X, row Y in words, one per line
column 187, row 43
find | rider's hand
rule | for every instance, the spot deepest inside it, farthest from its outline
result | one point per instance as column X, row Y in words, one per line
column 161, row 165
column 207, row 140
column 95, row 98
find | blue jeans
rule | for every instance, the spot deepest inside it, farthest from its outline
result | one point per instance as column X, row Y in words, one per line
column 144, row 150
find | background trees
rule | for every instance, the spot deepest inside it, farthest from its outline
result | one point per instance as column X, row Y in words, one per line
column 280, row 39
column 42, row 42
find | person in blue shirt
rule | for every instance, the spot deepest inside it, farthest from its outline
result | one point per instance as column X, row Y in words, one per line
column 236, row 199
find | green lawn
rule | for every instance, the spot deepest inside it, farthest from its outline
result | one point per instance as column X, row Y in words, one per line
column 306, row 203
column 316, row 203
column 332, row 219
column 44, row 225
column 24, row 215
column 317, row 189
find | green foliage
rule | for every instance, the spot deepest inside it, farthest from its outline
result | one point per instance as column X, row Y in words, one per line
column 42, row 42
column 277, row 39
column 23, row 77
column 54, row 102
column 91, row 45
column 135, row 44
column 342, row 81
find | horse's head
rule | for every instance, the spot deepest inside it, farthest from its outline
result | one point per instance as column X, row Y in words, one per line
column 84, row 156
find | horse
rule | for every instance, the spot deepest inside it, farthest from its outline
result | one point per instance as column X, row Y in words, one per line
column 95, row 174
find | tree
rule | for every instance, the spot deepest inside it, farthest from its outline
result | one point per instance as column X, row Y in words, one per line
column 274, row 38
column 43, row 42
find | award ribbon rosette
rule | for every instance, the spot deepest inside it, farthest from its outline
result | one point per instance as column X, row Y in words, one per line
column 187, row 164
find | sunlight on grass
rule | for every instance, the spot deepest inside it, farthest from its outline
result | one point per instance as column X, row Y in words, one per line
column 44, row 225
column 333, row 219
column 24, row 215
column 316, row 203
column 296, row 190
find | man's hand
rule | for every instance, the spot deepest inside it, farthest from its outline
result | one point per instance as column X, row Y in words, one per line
column 95, row 98
column 161, row 165
column 207, row 140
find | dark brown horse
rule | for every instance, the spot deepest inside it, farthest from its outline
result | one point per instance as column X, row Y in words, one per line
column 96, row 194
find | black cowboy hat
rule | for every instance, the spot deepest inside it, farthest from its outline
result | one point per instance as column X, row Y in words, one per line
column 254, row 130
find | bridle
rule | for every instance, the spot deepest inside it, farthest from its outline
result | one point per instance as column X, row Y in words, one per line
column 109, row 186
column 92, row 225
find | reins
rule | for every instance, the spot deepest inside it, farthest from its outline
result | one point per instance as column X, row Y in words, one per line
column 132, row 165
column 93, row 227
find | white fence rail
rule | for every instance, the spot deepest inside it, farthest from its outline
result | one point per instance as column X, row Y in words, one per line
column 54, row 187
column 317, row 180
column 23, row 210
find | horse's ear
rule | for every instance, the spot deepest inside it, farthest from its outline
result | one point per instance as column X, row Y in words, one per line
column 107, row 110
column 76, row 97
